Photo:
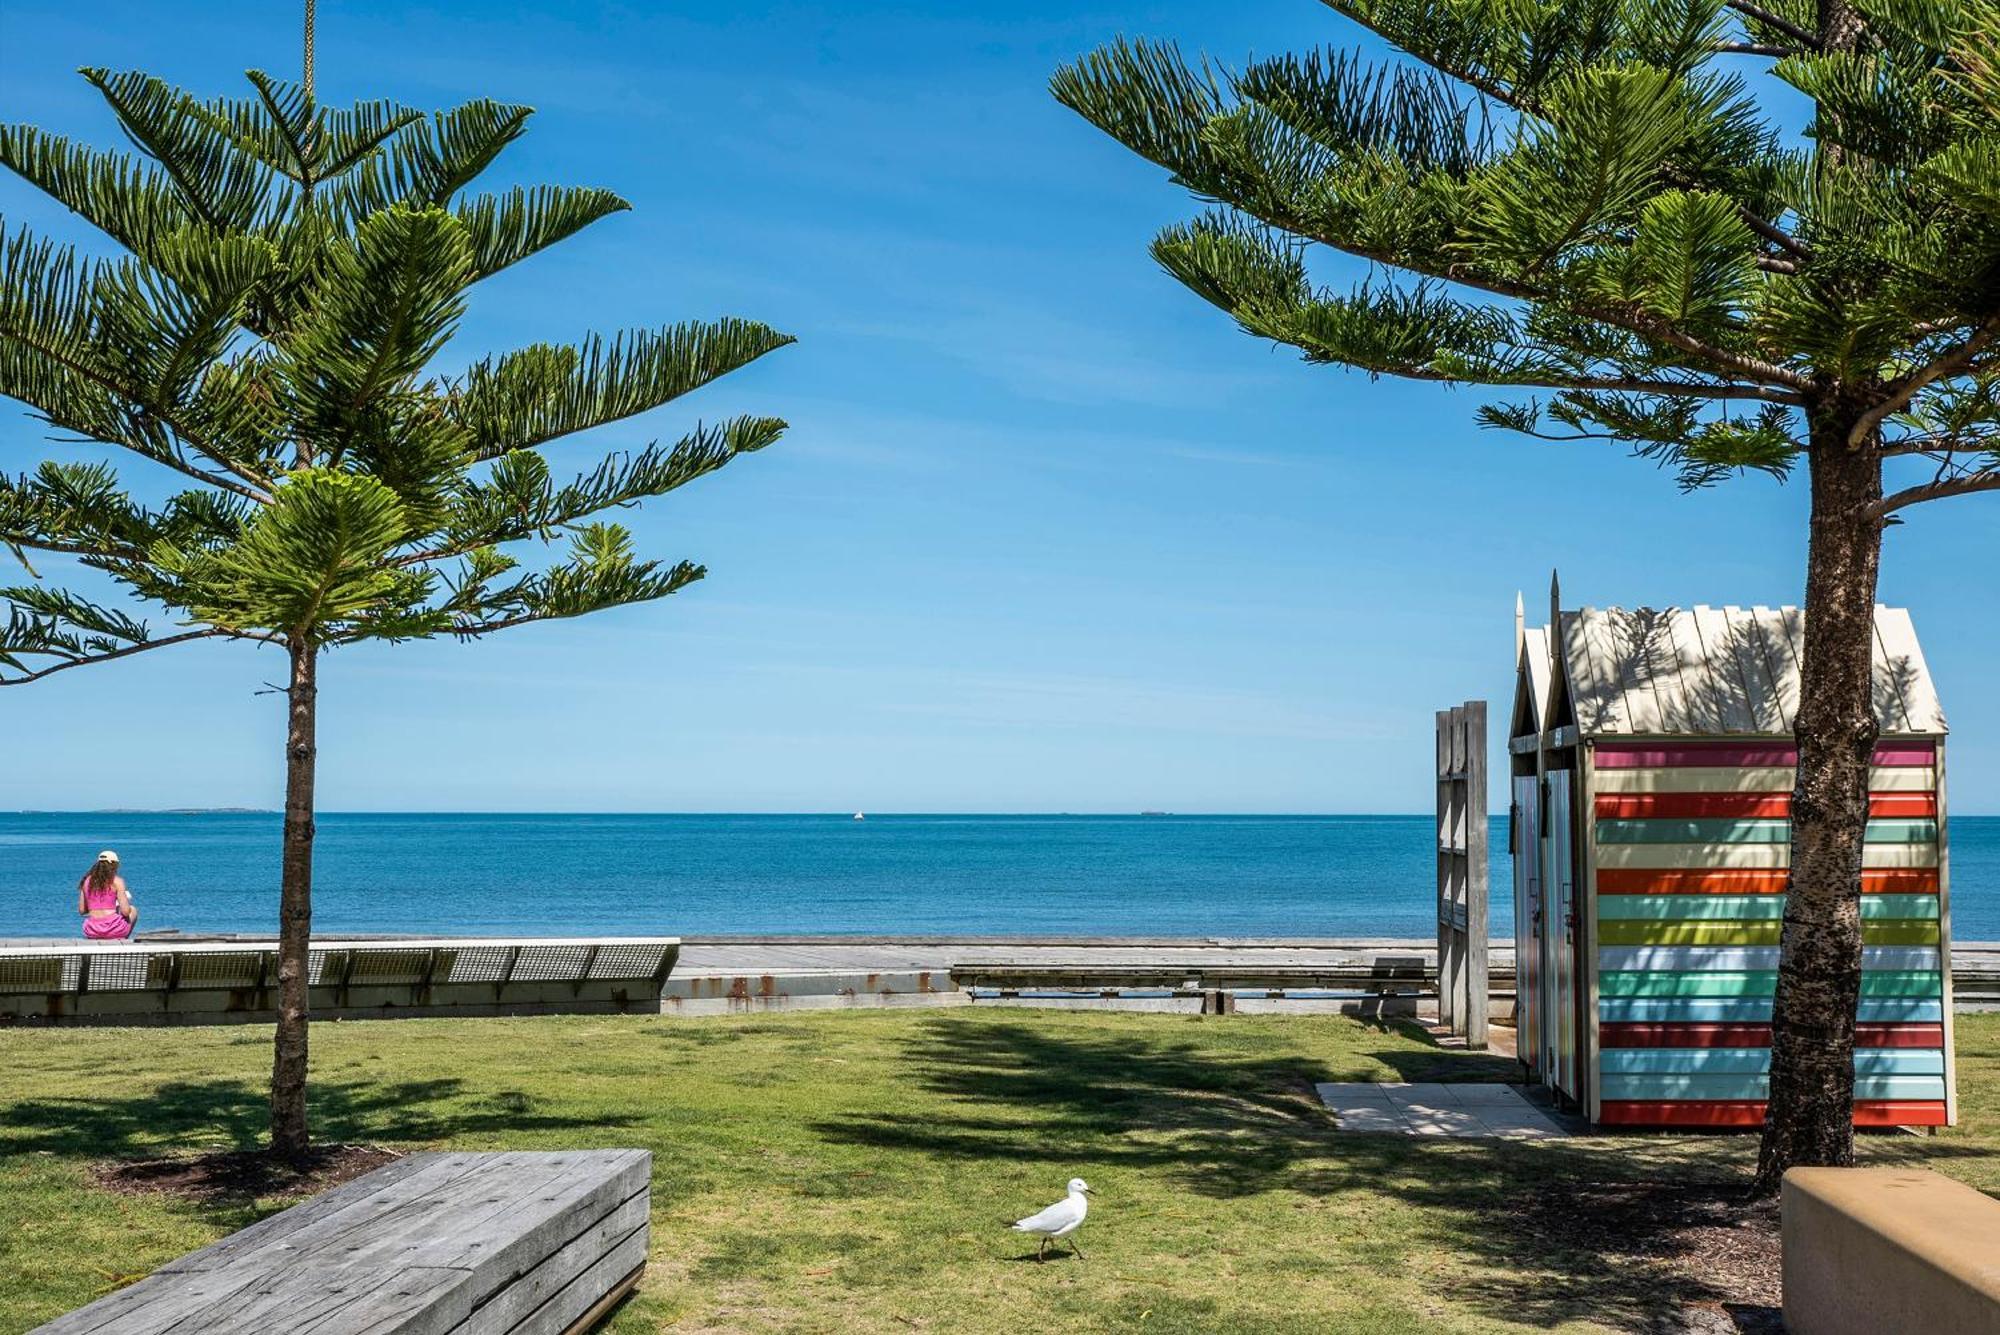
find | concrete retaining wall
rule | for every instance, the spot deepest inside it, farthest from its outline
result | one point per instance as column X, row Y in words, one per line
column 1869, row 1251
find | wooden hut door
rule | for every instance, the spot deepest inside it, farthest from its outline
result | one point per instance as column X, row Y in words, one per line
column 1561, row 929
column 1526, row 837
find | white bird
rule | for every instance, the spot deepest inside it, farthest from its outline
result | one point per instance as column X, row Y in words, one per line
column 1059, row 1220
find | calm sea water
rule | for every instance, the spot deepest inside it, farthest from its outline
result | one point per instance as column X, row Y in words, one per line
column 570, row 874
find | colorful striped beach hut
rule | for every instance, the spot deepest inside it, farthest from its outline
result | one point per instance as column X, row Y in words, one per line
column 1652, row 767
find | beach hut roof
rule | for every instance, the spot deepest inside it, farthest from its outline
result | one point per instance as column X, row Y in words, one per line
column 1531, row 690
column 1721, row 671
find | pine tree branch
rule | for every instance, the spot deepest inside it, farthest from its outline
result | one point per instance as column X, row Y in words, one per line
column 213, row 632
column 1906, row 388
column 1809, row 40
column 175, row 459
column 1754, row 49
column 1633, row 322
column 1608, row 384
column 1965, row 484
column 1511, row 98
column 1938, row 447
column 65, row 547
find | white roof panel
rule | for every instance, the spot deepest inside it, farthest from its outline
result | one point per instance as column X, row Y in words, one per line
column 1718, row 672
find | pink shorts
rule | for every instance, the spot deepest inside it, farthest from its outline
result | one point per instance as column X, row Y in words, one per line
column 109, row 927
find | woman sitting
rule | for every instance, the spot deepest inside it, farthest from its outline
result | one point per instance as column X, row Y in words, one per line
column 104, row 902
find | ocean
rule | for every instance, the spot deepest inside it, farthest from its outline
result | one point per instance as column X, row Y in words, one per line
column 1338, row 876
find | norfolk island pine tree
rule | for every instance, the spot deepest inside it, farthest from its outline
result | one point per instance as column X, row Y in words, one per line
column 1585, row 203
column 293, row 273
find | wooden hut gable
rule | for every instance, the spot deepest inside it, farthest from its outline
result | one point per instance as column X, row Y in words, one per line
column 1531, row 684
column 1718, row 672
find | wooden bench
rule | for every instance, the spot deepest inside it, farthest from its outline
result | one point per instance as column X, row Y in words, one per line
column 153, row 981
column 1388, row 985
column 1873, row 1250
column 515, row 1243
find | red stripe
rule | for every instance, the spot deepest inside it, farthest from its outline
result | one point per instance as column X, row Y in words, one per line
column 1738, row 755
column 1720, row 1112
column 1712, row 881
column 1682, row 1112
column 1756, row 806
column 1899, row 1036
column 1629, row 1034
column 1898, row 1112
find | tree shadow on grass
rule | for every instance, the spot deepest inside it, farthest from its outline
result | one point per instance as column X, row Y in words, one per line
column 236, row 1113
column 1626, row 1231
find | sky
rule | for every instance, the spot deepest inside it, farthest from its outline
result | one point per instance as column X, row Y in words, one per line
column 1047, row 532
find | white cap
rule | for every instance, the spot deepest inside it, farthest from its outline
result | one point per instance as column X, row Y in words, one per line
column 108, row 856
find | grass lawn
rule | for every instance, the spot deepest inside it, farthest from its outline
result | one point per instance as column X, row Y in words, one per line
column 851, row 1170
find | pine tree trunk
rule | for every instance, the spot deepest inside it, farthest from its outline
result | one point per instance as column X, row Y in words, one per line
column 289, row 1136
column 1810, row 1117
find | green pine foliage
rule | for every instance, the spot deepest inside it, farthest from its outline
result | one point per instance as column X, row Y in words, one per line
column 1590, row 205
column 294, row 273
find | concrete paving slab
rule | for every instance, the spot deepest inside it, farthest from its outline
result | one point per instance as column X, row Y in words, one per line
column 1470, row 1111
column 1459, row 1124
column 1334, row 1091
column 1358, row 1117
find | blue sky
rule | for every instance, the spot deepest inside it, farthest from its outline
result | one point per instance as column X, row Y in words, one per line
column 1047, row 534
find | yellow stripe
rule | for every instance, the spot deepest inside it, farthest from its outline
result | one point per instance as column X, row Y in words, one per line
column 1652, row 932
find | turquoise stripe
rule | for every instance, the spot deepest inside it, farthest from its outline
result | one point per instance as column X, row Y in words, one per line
column 1746, row 1086
column 1723, row 830
column 1898, row 1061
column 1688, row 908
column 1684, row 1061
column 1756, row 1061
column 1702, row 1010
column 1743, row 908
column 1899, row 906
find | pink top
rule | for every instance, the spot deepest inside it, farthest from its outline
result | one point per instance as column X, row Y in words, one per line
column 104, row 922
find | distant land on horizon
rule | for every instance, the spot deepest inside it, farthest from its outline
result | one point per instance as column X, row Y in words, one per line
column 156, row 811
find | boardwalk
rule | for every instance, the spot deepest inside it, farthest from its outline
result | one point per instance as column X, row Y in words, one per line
column 707, row 957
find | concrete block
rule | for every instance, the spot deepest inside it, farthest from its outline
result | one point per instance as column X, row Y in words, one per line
column 1869, row 1251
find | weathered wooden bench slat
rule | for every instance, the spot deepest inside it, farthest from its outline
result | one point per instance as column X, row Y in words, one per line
column 551, row 1304
column 512, row 1243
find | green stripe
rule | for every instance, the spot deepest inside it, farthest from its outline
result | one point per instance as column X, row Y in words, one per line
column 1691, row 908
column 1757, row 983
column 1723, row 830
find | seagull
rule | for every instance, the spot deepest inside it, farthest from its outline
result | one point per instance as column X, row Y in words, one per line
column 1059, row 1220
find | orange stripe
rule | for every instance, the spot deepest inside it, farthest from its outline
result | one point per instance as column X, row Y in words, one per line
column 1725, row 881
column 1752, row 806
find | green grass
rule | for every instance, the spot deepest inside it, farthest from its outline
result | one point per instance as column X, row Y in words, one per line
column 851, row 1170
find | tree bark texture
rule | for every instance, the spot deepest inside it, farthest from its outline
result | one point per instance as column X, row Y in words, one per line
column 289, row 1135
column 1810, row 1117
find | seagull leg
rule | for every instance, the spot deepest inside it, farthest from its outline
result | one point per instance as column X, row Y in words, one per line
column 1042, row 1252
column 1078, row 1250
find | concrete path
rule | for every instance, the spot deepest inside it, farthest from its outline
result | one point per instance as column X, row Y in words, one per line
column 1466, row 1111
